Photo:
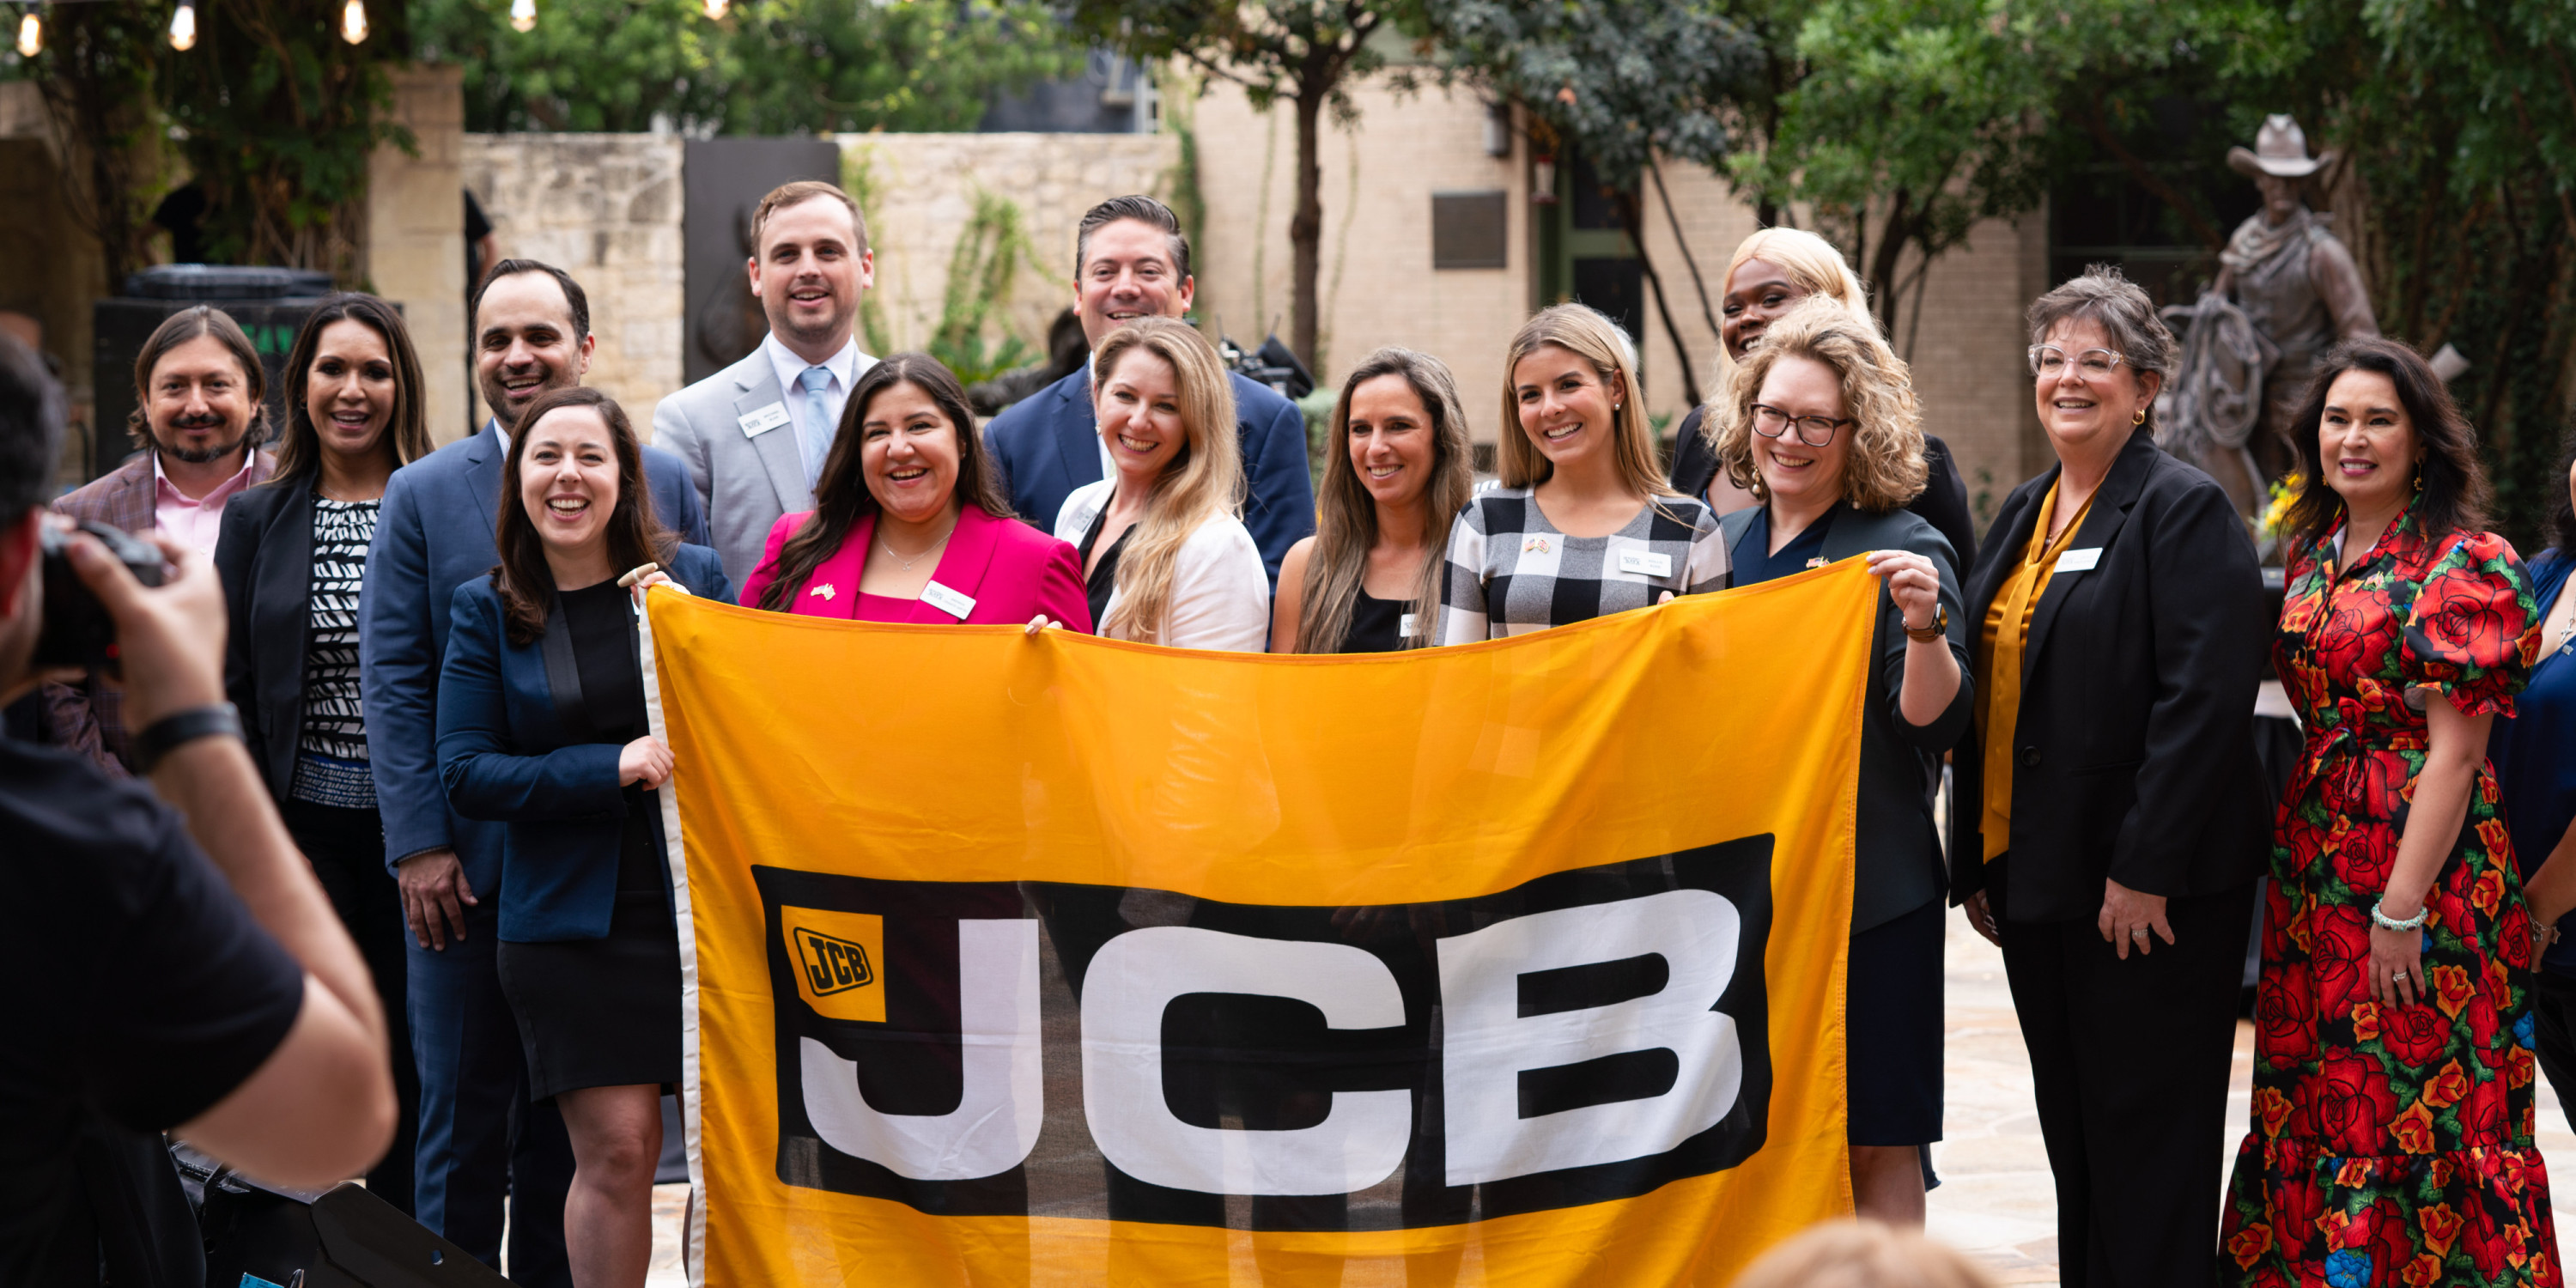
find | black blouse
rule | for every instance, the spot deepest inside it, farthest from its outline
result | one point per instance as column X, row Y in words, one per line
column 1103, row 580
column 1375, row 625
column 601, row 621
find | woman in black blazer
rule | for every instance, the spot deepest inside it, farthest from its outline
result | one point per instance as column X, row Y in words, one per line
column 1820, row 424
column 542, row 726
column 2107, row 815
column 293, row 556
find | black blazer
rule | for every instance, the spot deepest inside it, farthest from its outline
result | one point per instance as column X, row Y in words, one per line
column 1943, row 504
column 2136, row 727
column 1897, row 864
column 264, row 554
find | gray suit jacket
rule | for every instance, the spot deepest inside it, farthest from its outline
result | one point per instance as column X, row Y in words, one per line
column 1897, row 864
column 746, row 481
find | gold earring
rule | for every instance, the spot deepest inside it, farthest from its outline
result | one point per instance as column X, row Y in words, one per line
column 2140, row 418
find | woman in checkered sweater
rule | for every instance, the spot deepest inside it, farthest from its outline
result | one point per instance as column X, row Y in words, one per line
column 1583, row 524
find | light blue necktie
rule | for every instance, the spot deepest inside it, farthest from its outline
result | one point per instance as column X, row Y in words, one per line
column 815, row 430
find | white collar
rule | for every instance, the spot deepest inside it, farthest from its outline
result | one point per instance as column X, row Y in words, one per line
column 843, row 365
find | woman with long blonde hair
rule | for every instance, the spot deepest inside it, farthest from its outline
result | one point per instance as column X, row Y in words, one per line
column 1583, row 524
column 1396, row 472
column 1771, row 273
column 1165, row 560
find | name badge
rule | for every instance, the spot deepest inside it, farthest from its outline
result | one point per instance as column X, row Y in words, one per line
column 2078, row 560
column 1404, row 626
column 947, row 601
column 1646, row 563
column 756, row 423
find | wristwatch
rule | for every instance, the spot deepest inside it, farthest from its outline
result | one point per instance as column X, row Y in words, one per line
column 1940, row 625
column 170, row 732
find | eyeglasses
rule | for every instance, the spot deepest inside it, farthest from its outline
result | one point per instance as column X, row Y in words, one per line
column 2049, row 360
column 1814, row 431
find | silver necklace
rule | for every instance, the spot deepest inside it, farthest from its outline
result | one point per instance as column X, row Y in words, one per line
column 908, row 563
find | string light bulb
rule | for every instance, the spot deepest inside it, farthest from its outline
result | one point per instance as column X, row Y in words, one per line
column 716, row 9
column 31, row 36
column 183, row 26
column 353, row 21
column 523, row 15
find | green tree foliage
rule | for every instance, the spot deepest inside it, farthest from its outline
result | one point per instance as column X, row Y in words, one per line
column 1623, row 81
column 767, row 67
column 99, row 100
column 1302, row 52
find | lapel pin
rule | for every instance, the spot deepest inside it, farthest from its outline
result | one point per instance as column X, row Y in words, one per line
column 825, row 591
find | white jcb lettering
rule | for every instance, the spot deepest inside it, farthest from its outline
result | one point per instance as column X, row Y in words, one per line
column 996, row 1121
column 1136, row 976
column 1487, row 1043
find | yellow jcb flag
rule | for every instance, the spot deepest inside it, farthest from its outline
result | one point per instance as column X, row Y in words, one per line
column 1060, row 960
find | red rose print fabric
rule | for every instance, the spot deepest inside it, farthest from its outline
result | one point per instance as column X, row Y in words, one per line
column 2392, row 1145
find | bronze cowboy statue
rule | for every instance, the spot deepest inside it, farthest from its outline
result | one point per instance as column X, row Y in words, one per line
column 2287, row 290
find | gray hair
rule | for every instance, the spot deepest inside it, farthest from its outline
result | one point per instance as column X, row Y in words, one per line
column 2107, row 297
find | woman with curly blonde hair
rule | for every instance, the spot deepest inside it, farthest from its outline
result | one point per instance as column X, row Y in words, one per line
column 1772, row 272
column 1820, row 425
column 1164, row 559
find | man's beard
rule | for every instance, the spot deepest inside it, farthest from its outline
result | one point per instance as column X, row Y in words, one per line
column 496, row 399
column 821, row 332
column 199, row 455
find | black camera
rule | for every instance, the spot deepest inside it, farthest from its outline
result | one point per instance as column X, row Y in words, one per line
column 77, row 630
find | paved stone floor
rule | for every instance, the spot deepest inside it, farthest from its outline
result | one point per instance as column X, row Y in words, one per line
column 1995, row 1200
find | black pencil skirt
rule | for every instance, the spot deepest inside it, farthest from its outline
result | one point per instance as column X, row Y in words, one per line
column 600, row 1012
column 1892, row 1030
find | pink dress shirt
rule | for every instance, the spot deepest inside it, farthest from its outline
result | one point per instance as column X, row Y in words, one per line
column 201, row 521
column 1012, row 571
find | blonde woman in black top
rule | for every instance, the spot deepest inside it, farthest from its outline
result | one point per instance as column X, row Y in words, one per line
column 1395, row 476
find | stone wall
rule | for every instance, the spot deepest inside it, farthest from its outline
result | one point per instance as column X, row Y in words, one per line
column 415, row 237
column 605, row 208
column 921, row 191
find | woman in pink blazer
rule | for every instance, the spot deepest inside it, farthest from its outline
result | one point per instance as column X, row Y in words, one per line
column 909, row 522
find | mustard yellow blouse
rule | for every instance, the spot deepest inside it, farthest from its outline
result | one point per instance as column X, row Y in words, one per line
column 1999, row 665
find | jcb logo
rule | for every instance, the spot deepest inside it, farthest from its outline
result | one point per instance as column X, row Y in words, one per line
column 832, row 964
column 836, row 955
column 1588, row 1036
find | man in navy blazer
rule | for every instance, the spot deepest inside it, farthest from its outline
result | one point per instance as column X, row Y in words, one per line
column 1130, row 261
column 480, row 1141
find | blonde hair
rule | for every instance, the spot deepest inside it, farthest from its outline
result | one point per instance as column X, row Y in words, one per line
column 1596, row 339
column 1861, row 1254
column 1813, row 265
column 1346, row 515
column 1203, row 482
column 1884, row 469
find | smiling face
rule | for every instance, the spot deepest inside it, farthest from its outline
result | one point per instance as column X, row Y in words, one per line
column 1139, row 409
column 200, row 408
column 810, row 272
column 908, row 453
column 1794, row 472
column 2368, row 443
column 1757, row 293
column 1566, row 406
column 2081, row 408
column 568, row 479
column 349, row 390
column 524, row 344
column 1391, row 440
column 1127, row 273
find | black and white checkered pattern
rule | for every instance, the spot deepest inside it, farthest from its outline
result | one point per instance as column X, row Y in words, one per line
column 1511, row 572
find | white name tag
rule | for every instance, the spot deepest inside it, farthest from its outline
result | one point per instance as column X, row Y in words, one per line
column 1404, row 626
column 2078, row 560
column 947, row 601
column 756, row 423
column 1646, row 562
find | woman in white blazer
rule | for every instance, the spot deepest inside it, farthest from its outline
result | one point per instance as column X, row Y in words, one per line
column 1164, row 559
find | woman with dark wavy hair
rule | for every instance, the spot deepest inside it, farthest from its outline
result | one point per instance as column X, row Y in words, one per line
column 910, row 523
column 2393, row 1063
column 2535, row 773
column 542, row 727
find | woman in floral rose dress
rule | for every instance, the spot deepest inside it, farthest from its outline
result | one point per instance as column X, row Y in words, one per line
column 2391, row 1137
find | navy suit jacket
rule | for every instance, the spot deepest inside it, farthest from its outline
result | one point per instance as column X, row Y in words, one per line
column 507, row 755
column 1048, row 444
column 433, row 534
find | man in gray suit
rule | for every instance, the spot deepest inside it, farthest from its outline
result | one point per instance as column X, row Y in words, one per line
column 755, row 434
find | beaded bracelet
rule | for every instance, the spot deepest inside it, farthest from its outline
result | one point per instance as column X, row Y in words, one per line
column 2385, row 922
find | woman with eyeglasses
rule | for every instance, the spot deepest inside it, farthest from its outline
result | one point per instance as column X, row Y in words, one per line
column 1820, row 425
column 2107, row 815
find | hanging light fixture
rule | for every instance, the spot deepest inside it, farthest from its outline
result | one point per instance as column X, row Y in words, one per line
column 353, row 21
column 31, row 36
column 716, row 9
column 183, row 26
column 523, row 15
